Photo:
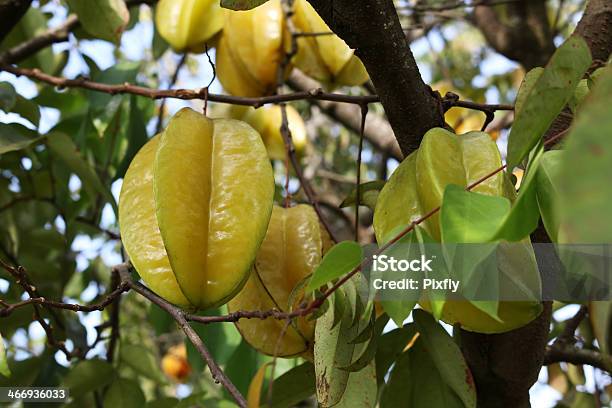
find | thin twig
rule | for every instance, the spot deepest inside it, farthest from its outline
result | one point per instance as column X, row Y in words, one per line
column 173, row 79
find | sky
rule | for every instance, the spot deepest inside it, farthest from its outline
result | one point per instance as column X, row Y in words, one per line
column 133, row 45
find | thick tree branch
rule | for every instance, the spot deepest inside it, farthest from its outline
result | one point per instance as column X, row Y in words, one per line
column 523, row 34
column 596, row 28
column 569, row 354
column 378, row 132
column 373, row 29
column 43, row 40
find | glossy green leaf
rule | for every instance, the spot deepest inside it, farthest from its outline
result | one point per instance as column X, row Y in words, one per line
column 64, row 148
column 447, row 357
column 124, row 393
column 88, row 376
column 548, row 181
column 340, row 260
column 4, row 368
column 550, row 93
column 292, row 387
column 368, row 194
column 104, row 19
column 585, row 192
column 524, row 215
column 14, row 136
column 468, row 217
column 241, row 4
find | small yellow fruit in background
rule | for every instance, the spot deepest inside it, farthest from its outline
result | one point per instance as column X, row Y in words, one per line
column 293, row 248
column 188, row 24
column 325, row 58
column 194, row 208
column 267, row 121
column 175, row 364
column 251, row 49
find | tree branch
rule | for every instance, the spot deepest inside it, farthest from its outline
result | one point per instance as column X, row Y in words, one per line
column 569, row 354
column 596, row 28
column 179, row 316
column 373, row 29
column 35, row 44
column 523, row 34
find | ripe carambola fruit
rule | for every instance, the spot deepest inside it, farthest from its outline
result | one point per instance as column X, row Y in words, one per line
column 417, row 187
column 325, row 57
column 251, row 49
column 201, row 193
column 188, row 24
column 267, row 121
column 293, row 248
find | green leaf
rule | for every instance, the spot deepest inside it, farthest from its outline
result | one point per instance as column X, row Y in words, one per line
column 469, row 217
column 368, row 194
column 390, row 346
column 524, row 215
column 361, row 389
column 447, row 357
column 142, row 360
column 340, row 260
column 137, row 137
column 124, row 393
column 242, row 366
column 369, row 351
column 406, row 248
column 27, row 109
column 14, row 136
column 8, row 96
column 64, row 148
column 332, row 350
column 526, row 87
column 292, row 387
column 104, row 19
column 585, row 192
column 551, row 92
column 4, row 368
column 88, row 376
column 547, row 191
column 241, row 4
column 415, row 382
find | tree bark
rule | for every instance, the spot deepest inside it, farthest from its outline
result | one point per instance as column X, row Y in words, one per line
column 373, row 29
column 596, row 28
